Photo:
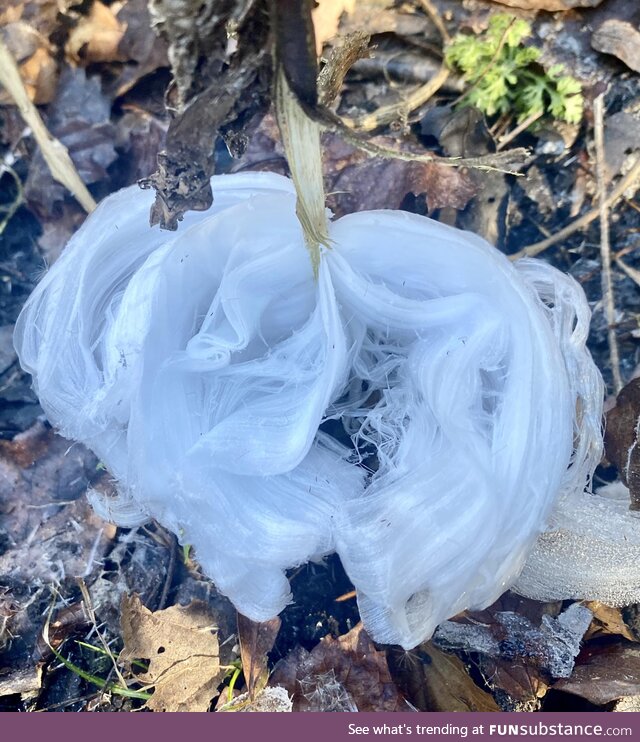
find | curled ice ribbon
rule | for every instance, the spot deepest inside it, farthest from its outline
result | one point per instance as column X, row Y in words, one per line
column 205, row 367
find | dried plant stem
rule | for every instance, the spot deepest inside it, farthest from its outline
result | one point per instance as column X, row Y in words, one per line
column 388, row 114
column 626, row 182
column 301, row 139
column 605, row 245
column 508, row 138
column 431, row 10
column 55, row 154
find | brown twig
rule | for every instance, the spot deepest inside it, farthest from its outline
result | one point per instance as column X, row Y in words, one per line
column 605, row 245
column 508, row 138
column 583, row 221
column 387, row 114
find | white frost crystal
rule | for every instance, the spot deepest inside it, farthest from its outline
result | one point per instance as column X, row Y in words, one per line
column 200, row 365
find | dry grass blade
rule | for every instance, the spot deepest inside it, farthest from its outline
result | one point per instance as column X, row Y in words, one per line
column 55, row 154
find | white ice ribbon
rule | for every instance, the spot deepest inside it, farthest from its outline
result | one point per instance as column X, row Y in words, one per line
column 200, row 367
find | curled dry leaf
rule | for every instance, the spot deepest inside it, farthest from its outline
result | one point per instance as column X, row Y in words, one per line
column 344, row 674
column 621, row 39
column 256, row 641
column 213, row 101
column 607, row 621
column 181, row 644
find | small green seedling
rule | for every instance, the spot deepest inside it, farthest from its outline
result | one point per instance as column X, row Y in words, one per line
column 504, row 75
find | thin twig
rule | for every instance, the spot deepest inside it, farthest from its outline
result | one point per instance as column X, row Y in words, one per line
column 54, row 152
column 532, row 250
column 605, row 245
column 431, row 10
column 508, row 138
column 388, row 114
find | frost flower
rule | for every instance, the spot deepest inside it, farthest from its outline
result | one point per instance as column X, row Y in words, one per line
column 205, row 368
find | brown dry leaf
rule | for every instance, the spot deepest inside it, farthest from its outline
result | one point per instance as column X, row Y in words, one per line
column 520, row 681
column 256, row 641
column 96, row 37
column 181, row 644
column 620, row 38
column 607, row 620
column 80, row 118
column 380, row 17
column 139, row 45
column 344, row 674
column 361, row 183
column 326, row 19
column 33, row 54
column 605, row 673
column 621, row 438
column 448, row 687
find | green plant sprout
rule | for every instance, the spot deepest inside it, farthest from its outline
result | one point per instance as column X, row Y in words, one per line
column 505, row 76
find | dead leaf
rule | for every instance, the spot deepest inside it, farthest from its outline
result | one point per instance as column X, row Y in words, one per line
column 607, row 620
column 48, row 529
column 37, row 67
column 521, row 682
column 181, row 644
column 447, row 685
column 605, row 673
column 374, row 183
column 213, row 101
column 621, row 39
column 382, row 17
column 326, row 19
column 552, row 647
column 140, row 45
column 621, row 438
column 96, row 37
column 79, row 118
column 344, row 674
column 256, row 641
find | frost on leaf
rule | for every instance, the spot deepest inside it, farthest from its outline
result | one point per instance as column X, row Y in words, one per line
column 552, row 647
